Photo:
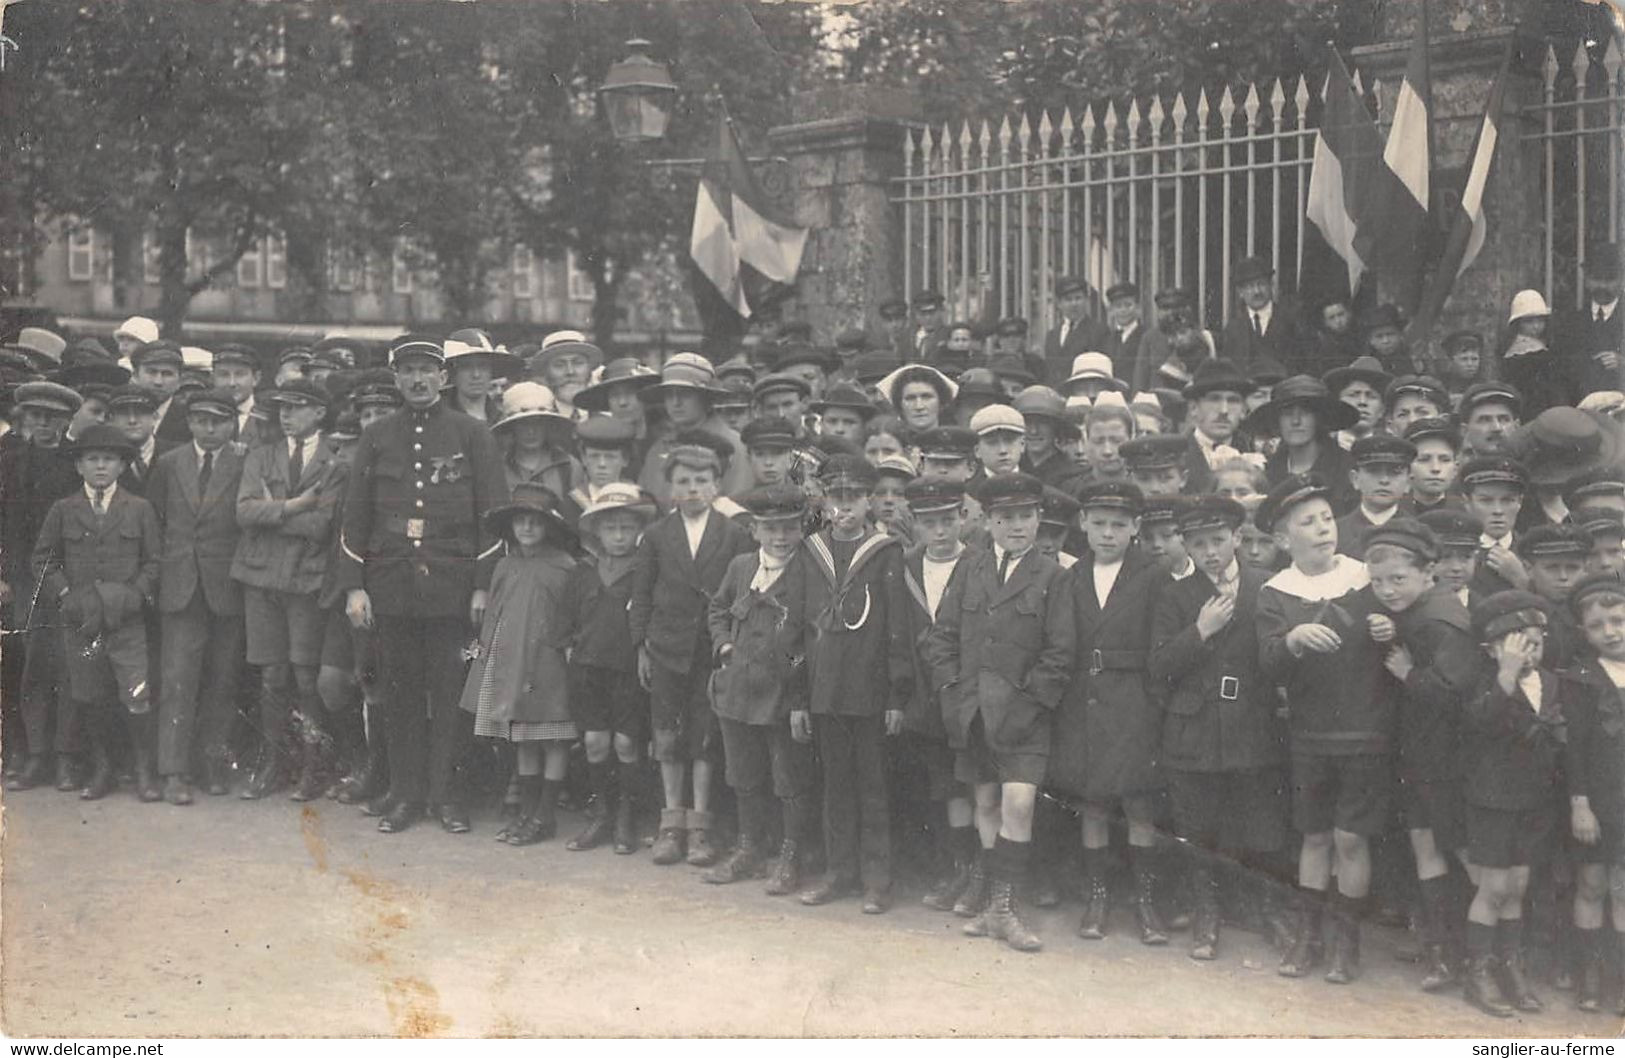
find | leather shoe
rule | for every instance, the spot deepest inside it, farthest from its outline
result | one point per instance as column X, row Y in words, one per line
column 454, row 818
column 101, row 781
column 876, row 902
column 31, row 775
column 218, row 774
column 400, row 817
column 66, row 779
column 378, row 806
column 177, row 791
column 828, row 890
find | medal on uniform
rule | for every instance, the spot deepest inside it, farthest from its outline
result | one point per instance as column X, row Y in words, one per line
column 414, row 528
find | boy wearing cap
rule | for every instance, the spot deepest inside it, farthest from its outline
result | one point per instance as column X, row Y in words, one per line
column 1159, row 535
column 1001, row 439
column 681, row 562
column 937, row 509
column 1108, row 728
column 193, row 491
column 1075, row 332
column 156, row 367
column 134, row 411
column 888, row 508
column 1220, row 737
column 1044, row 412
column 1432, row 653
column 756, row 633
column 860, row 669
column 1512, row 748
column 1381, row 475
column 1458, row 533
column 1493, row 488
column 1000, row 654
column 97, row 556
column 1606, row 528
column 1556, row 557
column 33, row 476
column 285, row 506
column 1313, row 641
column 770, row 447
column 237, row 370
column 1409, row 398
column 1433, row 468
column 1594, row 766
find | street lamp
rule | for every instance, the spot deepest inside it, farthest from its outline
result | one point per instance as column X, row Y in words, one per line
column 638, row 96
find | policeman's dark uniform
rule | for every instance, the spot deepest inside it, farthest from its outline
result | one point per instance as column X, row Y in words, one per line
column 413, row 538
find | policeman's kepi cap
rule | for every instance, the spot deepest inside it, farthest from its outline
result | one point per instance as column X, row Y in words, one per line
column 416, row 345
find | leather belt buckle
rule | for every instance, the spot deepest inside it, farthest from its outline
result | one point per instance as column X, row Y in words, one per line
column 414, row 528
column 1096, row 664
column 1229, row 688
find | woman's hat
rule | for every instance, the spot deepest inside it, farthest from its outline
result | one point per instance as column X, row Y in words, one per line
column 1527, row 304
column 1563, row 443
column 617, row 496
column 1306, row 391
column 560, row 342
column 471, row 343
column 1095, row 367
column 891, row 387
column 626, row 370
column 531, row 498
column 529, row 400
column 684, row 372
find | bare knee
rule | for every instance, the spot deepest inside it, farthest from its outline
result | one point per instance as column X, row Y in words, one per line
column 626, row 748
column 597, row 745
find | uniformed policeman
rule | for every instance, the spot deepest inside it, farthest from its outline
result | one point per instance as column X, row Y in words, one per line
column 416, row 561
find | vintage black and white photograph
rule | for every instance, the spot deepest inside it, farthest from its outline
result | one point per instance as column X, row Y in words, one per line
column 776, row 519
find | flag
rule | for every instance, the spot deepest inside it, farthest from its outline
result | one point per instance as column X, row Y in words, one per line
column 1348, row 158
column 1398, row 205
column 1467, row 224
column 1406, row 153
column 738, row 242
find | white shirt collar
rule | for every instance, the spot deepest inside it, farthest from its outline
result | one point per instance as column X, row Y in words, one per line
column 90, row 494
column 200, row 452
column 1485, row 540
column 1015, row 560
column 1378, row 517
column 1231, row 575
column 1264, row 315
column 1607, row 308
column 1105, row 575
column 1615, row 671
column 148, row 448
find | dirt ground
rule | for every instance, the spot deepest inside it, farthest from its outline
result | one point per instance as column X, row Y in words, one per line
column 236, row 918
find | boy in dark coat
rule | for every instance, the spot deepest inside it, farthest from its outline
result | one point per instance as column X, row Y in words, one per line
column 1494, row 488
column 1595, row 767
column 1220, row 743
column 1313, row 640
column 1381, row 475
column 1000, row 655
column 611, row 711
column 860, row 670
column 756, row 632
column 1513, row 739
column 1556, row 557
column 1108, row 730
column 97, row 555
column 1435, row 658
column 193, row 490
column 681, row 561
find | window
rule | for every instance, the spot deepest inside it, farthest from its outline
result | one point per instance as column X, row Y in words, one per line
column 524, row 272
column 343, row 269
column 400, row 272
column 199, row 255
column 82, row 253
column 251, row 268
column 151, row 262
column 276, row 262
column 578, row 283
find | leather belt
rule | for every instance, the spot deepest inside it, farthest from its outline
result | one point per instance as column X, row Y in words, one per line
column 1103, row 660
column 423, row 528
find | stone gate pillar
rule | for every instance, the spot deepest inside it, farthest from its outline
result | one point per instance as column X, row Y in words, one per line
column 844, row 149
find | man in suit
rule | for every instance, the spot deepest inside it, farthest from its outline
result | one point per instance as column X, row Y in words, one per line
column 894, row 317
column 285, row 506
column 681, row 562
column 416, row 561
column 237, row 370
column 1592, row 338
column 1265, row 327
column 193, row 489
column 1074, row 334
column 1173, row 348
column 1123, row 327
column 929, row 332
column 157, row 367
column 1000, row 655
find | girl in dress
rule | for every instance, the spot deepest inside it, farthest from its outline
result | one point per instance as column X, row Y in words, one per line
column 518, row 687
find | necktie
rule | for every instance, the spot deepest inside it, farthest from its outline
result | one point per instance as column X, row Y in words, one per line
column 1004, row 567
column 203, row 473
column 100, row 502
column 296, row 465
column 1599, row 314
column 1258, row 324
column 1066, row 329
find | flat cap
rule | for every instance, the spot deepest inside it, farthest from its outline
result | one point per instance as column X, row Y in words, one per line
column 1493, row 470
column 47, row 396
column 1211, row 512
column 1154, row 451
column 774, row 503
column 1508, row 611
column 1117, row 495
column 1382, row 450
column 933, row 495
column 1041, row 401
column 1454, row 527
column 1408, row 533
column 1291, row 491
column 1554, row 541
column 779, row 382
column 1603, row 582
column 847, row 472
column 773, row 431
column 1010, row 491
column 997, row 418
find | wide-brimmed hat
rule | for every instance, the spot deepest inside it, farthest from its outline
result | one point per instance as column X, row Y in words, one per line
column 979, row 384
column 560, row 342
column 845, row 395
column 92, row 373
column 1251, row 268
column 1042, row 402
column 617, row 496
column 471, row 344
column 1563, row 443
column 1367, row 369
column 140, row 328
column 1526, row 304
column 48, row 344
column 1331, row 414
column 1095, row 367
column 686, row 372
column 626, row 370
column 101, row 437
column 530, row 498
column 529, row 400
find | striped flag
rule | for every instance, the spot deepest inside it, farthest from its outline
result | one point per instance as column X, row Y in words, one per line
column 738, row 243
column 1346, row 167
column 1400, row 197
column 1406, row 153
column 1467, row 224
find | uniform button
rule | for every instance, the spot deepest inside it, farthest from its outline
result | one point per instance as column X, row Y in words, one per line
column 417, row 446
column 417, row 543
column 417, row 466
column 420, row 503
column 417, row 429
column 420, row 484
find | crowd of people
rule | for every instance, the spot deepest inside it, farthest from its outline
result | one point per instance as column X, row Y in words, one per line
column 1290, row 627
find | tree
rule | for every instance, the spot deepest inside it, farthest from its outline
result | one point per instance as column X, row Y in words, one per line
column 146, row 116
